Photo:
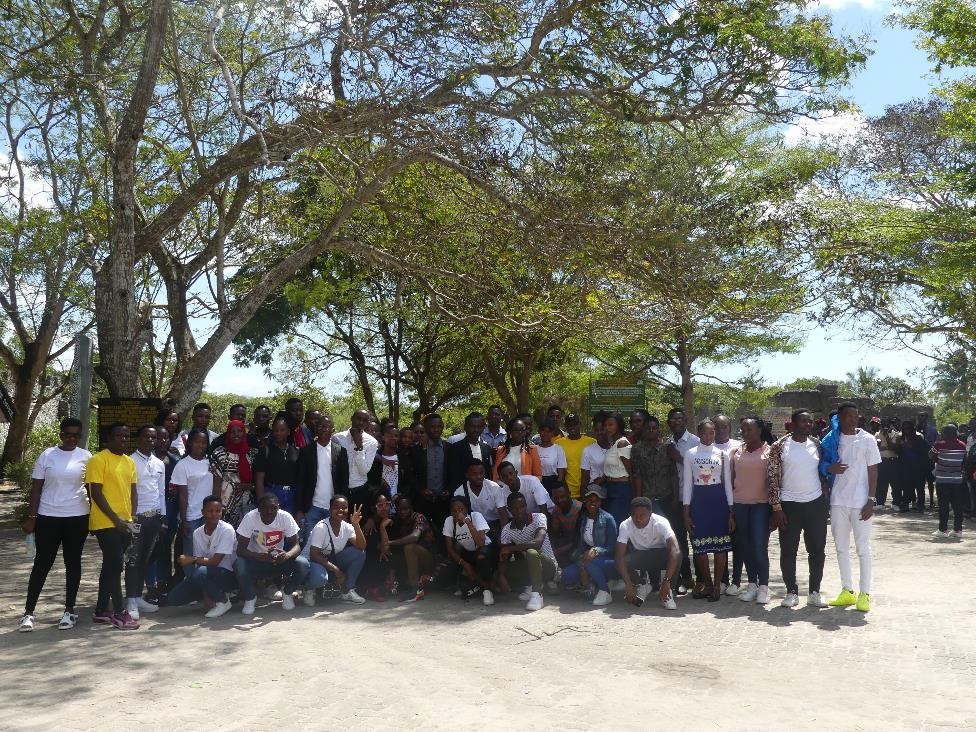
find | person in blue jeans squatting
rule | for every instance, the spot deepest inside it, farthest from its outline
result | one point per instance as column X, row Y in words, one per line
column 594, row 555
column 337, row 549
column 209, row 571
column 267, row 546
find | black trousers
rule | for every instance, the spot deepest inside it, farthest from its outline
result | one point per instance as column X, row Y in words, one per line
column 140, row 553
column 51, row 533
column 674, row 512
column 113, row 544
column 810, row 519
column 483, row 560
column 888, row 478
column 951, row 495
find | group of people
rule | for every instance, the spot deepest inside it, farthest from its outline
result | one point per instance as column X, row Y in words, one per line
column 286, row 506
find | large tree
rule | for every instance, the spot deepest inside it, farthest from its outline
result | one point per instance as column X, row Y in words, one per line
column 204, row 114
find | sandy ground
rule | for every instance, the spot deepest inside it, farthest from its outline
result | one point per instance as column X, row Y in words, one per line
column 443, row 664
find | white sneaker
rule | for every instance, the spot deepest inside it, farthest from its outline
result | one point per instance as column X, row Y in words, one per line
column 642, row 591
column 669, row 604
column 957, row 534
column 749, row 593
column 722, row 587
column 145, row 607
column 733, row 590
column 525, row 594
column 762, row 595
column 459, row 592
column 816, row 600
column 67, row 621
column 941, row 534
column 353, row 597
column 617, row 585
column 248, row 608
column 287, row 601
column 26, row 624
column 791, row 600
column 535, row 601
column 308, row 597
column 602, row 598
column 132, row 607
column 487, row 598
column 217, row 610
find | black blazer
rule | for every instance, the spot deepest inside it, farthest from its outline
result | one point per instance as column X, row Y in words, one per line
column 308, row 473
column 456, row 463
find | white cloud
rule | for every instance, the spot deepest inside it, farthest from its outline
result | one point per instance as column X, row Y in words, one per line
column 844, row 125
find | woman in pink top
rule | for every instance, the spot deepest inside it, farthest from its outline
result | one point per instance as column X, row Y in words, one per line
column 750, row 496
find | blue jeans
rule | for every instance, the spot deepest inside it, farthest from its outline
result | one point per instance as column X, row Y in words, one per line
column 314, row 515
column 214, row 581
column 188, row 540
column 350, row 560
column 600, row 570
column 752, row 539
column 286, row 497
column 161, row 569
column 619, row 496
column 293, row 572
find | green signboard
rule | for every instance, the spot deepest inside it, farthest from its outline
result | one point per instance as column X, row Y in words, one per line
column 617, row 395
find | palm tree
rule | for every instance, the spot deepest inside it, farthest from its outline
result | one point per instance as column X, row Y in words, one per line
column 864, row 381
column 955, row 379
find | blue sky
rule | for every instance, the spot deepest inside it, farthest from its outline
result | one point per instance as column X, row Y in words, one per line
column 896, row 72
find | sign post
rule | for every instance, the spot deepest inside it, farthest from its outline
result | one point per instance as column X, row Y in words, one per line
column 134, row 412
column 623, row 394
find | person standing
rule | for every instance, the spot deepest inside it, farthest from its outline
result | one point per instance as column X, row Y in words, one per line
column 231, row 459
column 889, row 470
column 678, row 446
column 200, row 421
column 518, row 452
column 323, row 472
column 361, row 448
column 707, row 500
column 930, row 434
column 798, row 497
column 653, row 471
column 193, row 482
column 552, row 457
column 852, row 499
column 595, row 454
column 750, row 496
column 112, row 479
column 149, row 524
column 913, row 451
column 276, row 467
column 949, row 454
column 468, row 448
column 159, row 575
column 260, row 428
column 574, row 444
column 58, row 518
column 616, row 469
column 494, row 434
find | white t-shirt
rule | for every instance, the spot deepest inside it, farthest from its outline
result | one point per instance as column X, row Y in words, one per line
column 552, row 458
column 63, row 473
column 706, row 465
column 801, row 476
column 221, row 541
column 858, row 451
column 196, row 476
column 265, row 537
column 653, row 536
column 728, row 446
column 391, row 473
column 323, row 538
column 455, row 438
column 515, row 458
column 360, row 461
column 323, row 476
column 588, row 532
column 492, row 498
column 535, row 493
column 150, row 483
column 463, row 534
column 593, row 459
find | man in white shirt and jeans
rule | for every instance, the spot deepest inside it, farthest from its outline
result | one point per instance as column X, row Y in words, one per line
column 150, row 518
column 852, row 505
column 361, row 449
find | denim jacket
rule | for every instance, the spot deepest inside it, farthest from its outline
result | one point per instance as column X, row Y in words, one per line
column 604, row 534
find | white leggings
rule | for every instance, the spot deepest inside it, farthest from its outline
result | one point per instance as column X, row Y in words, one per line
column 843, row 521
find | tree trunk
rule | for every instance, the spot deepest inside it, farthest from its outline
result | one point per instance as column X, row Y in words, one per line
column 685, row 361
column 22, row 422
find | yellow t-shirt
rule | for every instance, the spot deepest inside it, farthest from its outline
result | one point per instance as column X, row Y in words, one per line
column 116, row 473
column 574, row 458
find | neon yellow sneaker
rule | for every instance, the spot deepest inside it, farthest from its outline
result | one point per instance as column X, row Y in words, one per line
column 863, row 602
column 844, row 599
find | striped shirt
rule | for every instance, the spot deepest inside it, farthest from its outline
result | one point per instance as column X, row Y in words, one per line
column 950, row 455
column 526, row 535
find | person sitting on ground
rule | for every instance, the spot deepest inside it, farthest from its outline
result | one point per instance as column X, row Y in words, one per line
column 564, row 525
column 526, row 554
column 646, row 543
column 208, row 571
column 484, row 496
column 337, row 549
column 267, row 546
column 531, row 488
column 409, row 540
column 517, row 451
column 593, row 561
column 377, row 576
column 469, row 547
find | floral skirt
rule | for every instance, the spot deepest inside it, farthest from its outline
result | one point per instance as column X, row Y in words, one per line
column 710, row 514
